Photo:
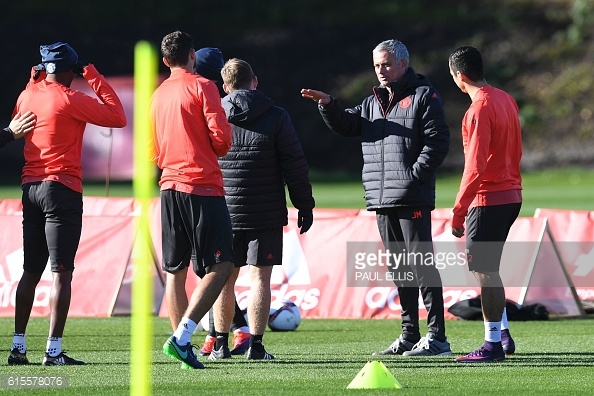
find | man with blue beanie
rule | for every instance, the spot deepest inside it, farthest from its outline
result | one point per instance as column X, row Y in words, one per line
column 209, row 62
column 52, row 185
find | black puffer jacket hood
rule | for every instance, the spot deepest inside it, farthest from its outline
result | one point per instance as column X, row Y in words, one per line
column 265, row 155
column 244, row 107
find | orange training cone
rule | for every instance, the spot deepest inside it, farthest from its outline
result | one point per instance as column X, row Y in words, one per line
column 374, row 375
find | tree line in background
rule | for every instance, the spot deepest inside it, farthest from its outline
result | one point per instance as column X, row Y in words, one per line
column 541, row 51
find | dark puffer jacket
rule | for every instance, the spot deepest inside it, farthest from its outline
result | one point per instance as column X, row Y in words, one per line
column 265, row 154
column 403, row 141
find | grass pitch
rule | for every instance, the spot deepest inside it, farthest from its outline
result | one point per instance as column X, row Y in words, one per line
column 570, row 188
column 321, row 358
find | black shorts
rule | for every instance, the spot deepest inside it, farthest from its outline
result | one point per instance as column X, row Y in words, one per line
column 487, row 228
column 52, row 224
column 194, row 228
column 258, row 247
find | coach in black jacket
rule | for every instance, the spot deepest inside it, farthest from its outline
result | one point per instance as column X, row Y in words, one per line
column 265, row 154
column 404, row 138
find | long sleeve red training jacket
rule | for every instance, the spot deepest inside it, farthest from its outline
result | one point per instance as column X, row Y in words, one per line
column 190, row 131
column 492, row 140
column 53, row 149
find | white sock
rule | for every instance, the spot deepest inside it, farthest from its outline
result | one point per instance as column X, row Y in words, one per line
column 243, row 329
column 493, row 331
column 19, row 341
column 184, row 330
column 504, row 325
column 53, row 346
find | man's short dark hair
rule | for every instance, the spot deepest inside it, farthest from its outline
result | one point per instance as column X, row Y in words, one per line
column 468, row 61
column 175, row 48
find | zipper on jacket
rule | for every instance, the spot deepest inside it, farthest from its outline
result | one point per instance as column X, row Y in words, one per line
column 384, row 114
column 381, row 197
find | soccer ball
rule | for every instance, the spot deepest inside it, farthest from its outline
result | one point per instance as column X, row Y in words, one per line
column 204, row 323
column 284, row 316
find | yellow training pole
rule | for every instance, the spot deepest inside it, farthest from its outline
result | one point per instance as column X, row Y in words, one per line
column 145, row 79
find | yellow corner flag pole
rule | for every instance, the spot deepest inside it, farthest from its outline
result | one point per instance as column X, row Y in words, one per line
column 145, row 79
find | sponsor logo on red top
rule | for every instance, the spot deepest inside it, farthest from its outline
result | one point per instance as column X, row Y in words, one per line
column 406, row 102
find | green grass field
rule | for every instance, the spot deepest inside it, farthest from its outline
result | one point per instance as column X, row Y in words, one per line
column 555, row 357
column 571, row 188
column 321, row 358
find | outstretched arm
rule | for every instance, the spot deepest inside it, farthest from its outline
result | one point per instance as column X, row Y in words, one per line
column 343, row 122
column 317, row 96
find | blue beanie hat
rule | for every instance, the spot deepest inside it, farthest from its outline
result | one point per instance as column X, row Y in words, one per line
column 58, row 57
column 209, row 62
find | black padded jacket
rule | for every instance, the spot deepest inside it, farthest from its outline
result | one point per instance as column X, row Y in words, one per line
column 265, row 154
column 403, row 140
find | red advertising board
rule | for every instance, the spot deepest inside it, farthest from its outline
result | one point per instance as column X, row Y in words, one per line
column 314, row 274
column 314, row 271
column 103, row 254
column 573, row 232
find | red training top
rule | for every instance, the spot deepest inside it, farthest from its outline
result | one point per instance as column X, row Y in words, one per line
column 190, row 131
column 53, row 149
column 492, row 140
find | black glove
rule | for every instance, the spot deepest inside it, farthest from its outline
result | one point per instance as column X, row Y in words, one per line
column 38, row 69
column 79, row 68
column 304, row 221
